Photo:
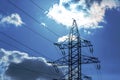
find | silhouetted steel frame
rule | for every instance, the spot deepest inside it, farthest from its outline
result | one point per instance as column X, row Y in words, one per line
column 74, row 49
column 74, row 59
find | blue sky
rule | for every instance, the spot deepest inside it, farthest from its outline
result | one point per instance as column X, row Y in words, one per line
column 98, row 21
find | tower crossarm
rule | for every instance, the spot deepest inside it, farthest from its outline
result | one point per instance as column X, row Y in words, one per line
column 85, row 60
column 85, row 43
column 89, row 60
column 61, row 61
column 62, row 45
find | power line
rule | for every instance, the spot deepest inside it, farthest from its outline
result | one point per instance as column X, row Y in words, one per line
column 23, row 68
column 25, row 26
column 23, row 44
column 37, row 33
column 38, row 5
column 8, row 44
column 31, row 17
column 12, row 45
column 35, row 21
column 44, row 11
column 18, row 66
column 40, row 9
column 20, row 42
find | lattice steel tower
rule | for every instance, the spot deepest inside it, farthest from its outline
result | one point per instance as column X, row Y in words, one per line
column 71, row 50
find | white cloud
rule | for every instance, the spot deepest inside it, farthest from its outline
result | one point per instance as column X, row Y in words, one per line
column 88, row 14
column 14, row 19
column 43, row 24
column 16, row 65
column 87, row 32
column 66, row 37
column 63, row 38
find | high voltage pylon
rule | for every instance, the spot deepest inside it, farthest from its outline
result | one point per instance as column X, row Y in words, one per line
column 73, row 58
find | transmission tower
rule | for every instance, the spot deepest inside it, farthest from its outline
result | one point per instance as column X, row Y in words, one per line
column 73, row 58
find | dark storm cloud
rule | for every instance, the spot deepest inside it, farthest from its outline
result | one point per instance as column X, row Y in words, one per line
column 31, row 70
column 19, row 66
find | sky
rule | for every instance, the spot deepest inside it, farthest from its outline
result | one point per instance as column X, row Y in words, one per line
column 29, row 29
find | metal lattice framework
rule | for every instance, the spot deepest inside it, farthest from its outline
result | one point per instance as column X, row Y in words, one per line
column 72, row 55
